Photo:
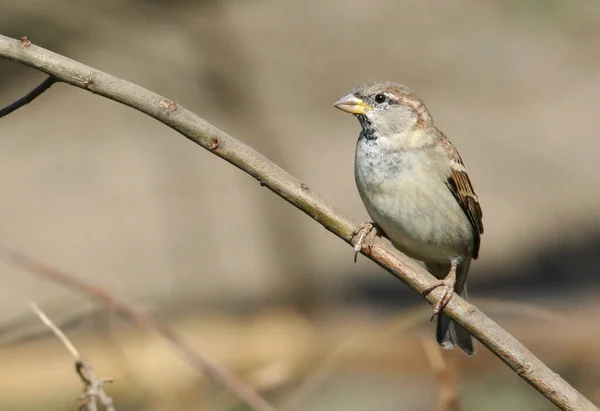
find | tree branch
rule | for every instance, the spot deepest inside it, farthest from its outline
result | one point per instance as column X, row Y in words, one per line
column 448, row 397
column 29, row 97
column 129, row 312
column 92, row 385
column 500, row 342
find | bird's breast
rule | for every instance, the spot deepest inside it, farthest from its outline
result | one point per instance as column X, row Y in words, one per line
column 409, row 199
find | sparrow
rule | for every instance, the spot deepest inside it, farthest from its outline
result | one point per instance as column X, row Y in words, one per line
column 416, row 189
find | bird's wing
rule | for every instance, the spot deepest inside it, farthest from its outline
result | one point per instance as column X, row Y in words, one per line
column 462, row 189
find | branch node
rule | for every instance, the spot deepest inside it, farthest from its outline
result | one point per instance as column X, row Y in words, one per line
column 169, row 106
column 524, row 369
column 85, row 81
column 214, row 143
column 25, row 42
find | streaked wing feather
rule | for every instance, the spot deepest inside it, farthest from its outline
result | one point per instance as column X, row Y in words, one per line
column 460, row 185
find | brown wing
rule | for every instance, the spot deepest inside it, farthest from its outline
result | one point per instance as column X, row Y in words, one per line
column 460, row 185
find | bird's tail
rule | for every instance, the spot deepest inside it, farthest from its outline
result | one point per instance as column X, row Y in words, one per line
column 448, row 333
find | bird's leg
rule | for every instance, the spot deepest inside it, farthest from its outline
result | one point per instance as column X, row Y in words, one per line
column 368, row 232
column 448, row 284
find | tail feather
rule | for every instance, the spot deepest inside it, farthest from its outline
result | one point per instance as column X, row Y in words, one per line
column 448, row 333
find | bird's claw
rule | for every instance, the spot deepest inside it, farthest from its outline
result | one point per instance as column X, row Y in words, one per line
column 448, row 284
column 366, row 231
column 444, row 299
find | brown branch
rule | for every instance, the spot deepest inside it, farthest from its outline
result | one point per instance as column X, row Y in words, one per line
column 92, row 385
column 129, row 312
column 29, row 97
column 448, row 398
column 194, row 128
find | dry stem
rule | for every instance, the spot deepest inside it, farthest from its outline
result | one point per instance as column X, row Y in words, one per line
column 210, row 368
column 448, row 399
column 29, row 97
column 93, row 386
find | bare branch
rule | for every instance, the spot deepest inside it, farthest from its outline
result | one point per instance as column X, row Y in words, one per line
column 92, row 387
column 132, row 314
column 448, row 399
column 29, row 97
column 500, row 342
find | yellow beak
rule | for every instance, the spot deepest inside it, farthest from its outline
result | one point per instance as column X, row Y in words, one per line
column 352, row 104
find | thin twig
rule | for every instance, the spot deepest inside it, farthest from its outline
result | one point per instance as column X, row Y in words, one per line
column 297, row 193
column 29, row 97
column 57, row 331
column 210, row 368
column 448, row 398
column 92, row 386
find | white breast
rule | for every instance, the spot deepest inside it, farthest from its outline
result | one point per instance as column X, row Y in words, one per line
column 406, row 194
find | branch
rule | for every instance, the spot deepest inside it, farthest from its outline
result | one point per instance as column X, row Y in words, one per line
column 448, row 398
column 92, row 385
column 194, row 128
column 29, row 97
column 129, row 312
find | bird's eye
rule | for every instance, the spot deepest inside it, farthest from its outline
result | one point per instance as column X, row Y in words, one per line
column 380, row 98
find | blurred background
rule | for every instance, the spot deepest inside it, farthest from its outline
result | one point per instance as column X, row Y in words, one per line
column 118, row 199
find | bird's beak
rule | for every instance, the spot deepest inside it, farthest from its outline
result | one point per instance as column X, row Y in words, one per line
column 352, row 104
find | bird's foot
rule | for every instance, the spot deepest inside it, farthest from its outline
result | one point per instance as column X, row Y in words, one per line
column 366, row 233
column 447, row 294
column 448, row 291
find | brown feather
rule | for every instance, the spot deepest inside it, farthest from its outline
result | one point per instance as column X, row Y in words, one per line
column 460, row 185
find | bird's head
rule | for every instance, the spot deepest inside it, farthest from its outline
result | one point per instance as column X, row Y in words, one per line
column 386, row 110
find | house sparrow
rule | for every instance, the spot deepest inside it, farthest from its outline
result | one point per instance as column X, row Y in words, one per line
column 417, row 191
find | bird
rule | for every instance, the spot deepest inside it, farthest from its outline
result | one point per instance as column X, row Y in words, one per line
column 416, row 189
